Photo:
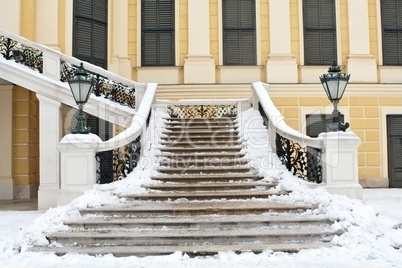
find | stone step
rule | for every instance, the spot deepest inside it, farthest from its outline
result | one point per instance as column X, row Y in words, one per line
column 204, row 124
column 203, row 195
column 190, row 250
column 203, row 170
column 210, row 156
column 174, row 237
column 203, row 162
column 199, row 149
column 201, row 128
column 230, row 207
column 202, row 132
column 228, row 222
column 203, row 138
column 203, row 119
column 197, row 178
column 209, row 186
column 201, row 143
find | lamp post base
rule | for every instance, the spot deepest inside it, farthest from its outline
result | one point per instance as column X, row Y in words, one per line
column 337, row 122
column 80, row 128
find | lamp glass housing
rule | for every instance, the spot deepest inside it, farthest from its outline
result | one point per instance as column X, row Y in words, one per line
column 81, row 86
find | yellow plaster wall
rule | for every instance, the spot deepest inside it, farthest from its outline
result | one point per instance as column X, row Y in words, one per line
column 26, row 137
column 62, row 25
column 373, row 30
column 214, row 33
column 183, row 36
column 132, row 35
column 264, row 31
column 294, row 29
column 28, row 19
column 344, row 32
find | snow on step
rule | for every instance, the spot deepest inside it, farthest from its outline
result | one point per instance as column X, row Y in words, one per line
column 191, row 250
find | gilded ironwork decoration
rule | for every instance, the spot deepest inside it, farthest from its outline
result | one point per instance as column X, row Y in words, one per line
column 202, row 111
column 20, row 53
column 112, row 90
column 305, row 162
column 125, row 159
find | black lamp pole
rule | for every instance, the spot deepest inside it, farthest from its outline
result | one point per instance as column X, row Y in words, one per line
column 334, row 83
column 81, row 86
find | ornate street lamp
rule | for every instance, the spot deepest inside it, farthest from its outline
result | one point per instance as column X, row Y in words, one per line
column 334, row 83
column 81, row 86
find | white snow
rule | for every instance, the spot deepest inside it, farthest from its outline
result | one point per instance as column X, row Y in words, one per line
column 373, row 236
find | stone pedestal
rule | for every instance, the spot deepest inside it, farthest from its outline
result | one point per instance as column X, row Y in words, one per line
column 340, row 163
column 77, row 166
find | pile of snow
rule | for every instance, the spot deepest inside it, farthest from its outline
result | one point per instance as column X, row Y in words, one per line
column 367, row 240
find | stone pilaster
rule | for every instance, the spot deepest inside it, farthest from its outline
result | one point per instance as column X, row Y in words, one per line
column 120, row 62
column 50, row 129
column 361, row 64
column 199, row 67
column 281, row 66
column 7, row 183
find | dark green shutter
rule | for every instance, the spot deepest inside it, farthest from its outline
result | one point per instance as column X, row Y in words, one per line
column 319, row 32
column 394, row 139
column 90, row 31
column 239, row 38
column 157, row 34
column 391, row 14
column 316, row 124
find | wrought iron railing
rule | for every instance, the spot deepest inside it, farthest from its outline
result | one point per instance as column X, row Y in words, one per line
column 201, row 111
column 305, row 162
column 21, row 53
column 125, row 159
column 112, row 90
column 302, row 161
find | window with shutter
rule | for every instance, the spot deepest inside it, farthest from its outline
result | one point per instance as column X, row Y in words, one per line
column 239, row 33
column 391, row 16
column 319, row 21
column 90, row 31
column 157, row 33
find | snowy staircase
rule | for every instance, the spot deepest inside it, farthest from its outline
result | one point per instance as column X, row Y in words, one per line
column 204, row 199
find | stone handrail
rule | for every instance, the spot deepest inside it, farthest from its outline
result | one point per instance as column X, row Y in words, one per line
column 276, row 119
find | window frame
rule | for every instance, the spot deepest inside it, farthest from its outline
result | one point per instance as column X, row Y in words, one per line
column 334, row 29
column 386, row 42
column 240, row 30
column 160, row 32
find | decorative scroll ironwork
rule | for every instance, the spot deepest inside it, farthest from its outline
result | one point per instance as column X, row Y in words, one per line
column 305, row 162
column 112, row 90
column 125, row 159
column 201, row 111
column 20, row 53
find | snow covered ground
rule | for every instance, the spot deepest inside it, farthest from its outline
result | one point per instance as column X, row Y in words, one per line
column 373, row 236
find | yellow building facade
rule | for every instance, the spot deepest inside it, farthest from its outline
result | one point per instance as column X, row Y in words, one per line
column 199, row 70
